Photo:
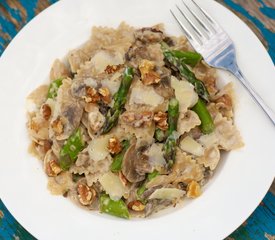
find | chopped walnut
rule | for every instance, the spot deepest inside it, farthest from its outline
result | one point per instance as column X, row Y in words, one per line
column 92, row 95
column 86, row 195
column 46, row 111
column 105, row 94
column 114, row 145
column 57, row 126
column 128, row 117
column 138, row 119
column 161, row 120
column 148, row 75
column 52, row 168
column 193, row 190
column 112, row 68
column 136, row 206
column 122, row 178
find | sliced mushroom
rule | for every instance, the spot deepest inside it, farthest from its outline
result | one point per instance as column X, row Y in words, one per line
column 135, row 164
column 155, row 205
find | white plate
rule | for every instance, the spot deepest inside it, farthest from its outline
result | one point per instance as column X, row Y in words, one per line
column 236, row 189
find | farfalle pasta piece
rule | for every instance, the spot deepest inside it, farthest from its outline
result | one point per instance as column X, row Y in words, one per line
column 91, row 168
column 59, row 70
column 119, row 39
column 187, row 121
column 210, row 158
column 76, row 58
column 184, row 170
column 227, row 134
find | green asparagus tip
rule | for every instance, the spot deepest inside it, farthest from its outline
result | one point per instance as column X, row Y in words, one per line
column 115, row 208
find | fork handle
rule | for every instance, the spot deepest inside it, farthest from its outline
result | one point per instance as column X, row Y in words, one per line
column 256, row 97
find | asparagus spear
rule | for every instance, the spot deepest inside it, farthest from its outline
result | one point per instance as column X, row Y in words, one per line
column 186, row 73
column 52, row 92
column 117, row 161
column 120, row 99
column 173, row 114
column 170, row 144
column 70, row 150
column 189, row 58
column 115, row 208
column 207, row 125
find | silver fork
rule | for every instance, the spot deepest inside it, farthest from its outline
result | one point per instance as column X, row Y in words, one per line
column 216, row 47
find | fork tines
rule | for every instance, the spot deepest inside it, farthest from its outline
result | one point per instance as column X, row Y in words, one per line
column 199, row 24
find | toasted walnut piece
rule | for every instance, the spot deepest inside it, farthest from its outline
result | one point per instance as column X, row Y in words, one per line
column 46, row 111
column 160, row 119
column 193, row 190
column 136, row 206
column 114, row 145
column 146, row 66
column 150, row 78
column 137, row 119
column 122, row 178
column 86, row 195
column 57, row 126
column 226, row 100
column 112, row 68
column 52, row 168
column 148, row 75
column 92, row 95
column 128, row 117
column 105, row 94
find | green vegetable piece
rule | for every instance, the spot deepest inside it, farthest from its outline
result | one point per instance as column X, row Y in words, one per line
column 120, row 99
column 117, row 161
column 173, row 115
column 52, row 92
column 170, row 150
column 160, row 135
column 150, row 176
column 189, row 58
column 186, row 72
column 115, row 208
column 141, row 190
column 70, row 150
column 171, row 142
column 207, row 125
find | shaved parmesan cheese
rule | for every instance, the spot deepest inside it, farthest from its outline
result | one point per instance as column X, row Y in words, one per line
column 98, row 148
column 189, row 145
column 167, row 193
column 155, row 155
column 145, row 95
column 185, row 93
column 103, row 58
column 113, row 185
